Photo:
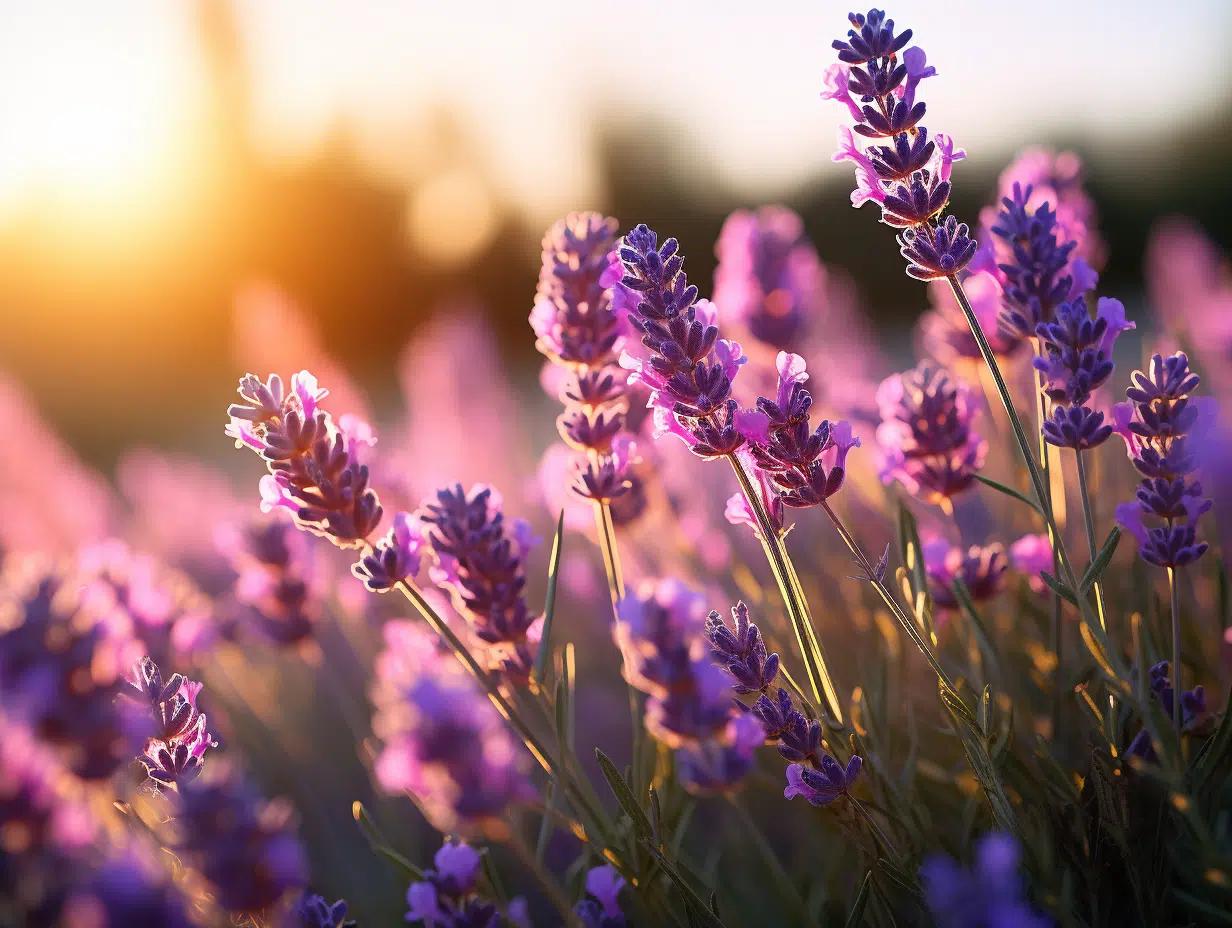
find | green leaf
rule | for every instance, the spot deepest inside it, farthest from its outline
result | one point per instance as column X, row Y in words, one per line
column 1211, row 914
column 693, row 902
column 1101, row 561
column 549, row 605
column 624, row 796
column 857, row 911
column 1008, row 491
column 378, row 843
column 1212, row 764
column 1059, row 588
column 963, row 595
column 982, row 766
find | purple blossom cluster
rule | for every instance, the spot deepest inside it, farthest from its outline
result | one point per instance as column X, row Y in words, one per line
column 1193, row 710
column 242, row 846
column 906, row 173
column 277, row 586
column 1156, row 424
column 448, row 896
column 442, row 740
column 601, row 907
column 580, row 330
column 313, row 911
column 741, row 651
column 927, row 442
column 313, row 463
column 990, row 892
column 178, row 737
column 484, row 568
column 769, row 279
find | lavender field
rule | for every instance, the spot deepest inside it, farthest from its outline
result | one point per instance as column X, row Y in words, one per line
column 879, row 577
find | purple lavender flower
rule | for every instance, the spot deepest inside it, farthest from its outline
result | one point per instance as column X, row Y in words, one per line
column 719, row 764
column 581, row 330
column 242, row 846
column 738, row 510
column 825, row 783
column 1193, row 710
column 807, row 466
column 909, row 173
column 981, row 569
column 602, row 909
column 447, row 897
column 313, row 911
column 1155, row 424
column 660, row 629
column 60, row 672
column 485, row 571
column 126, row 891
column 943, row 332
column 927, row 442
column 178, row 737
column 443, row 741
column 394, row 558
column 990, row 893
column 313, row 466
column 769, row 276
column 687, row 367
column 742, row 651
column 277, row 587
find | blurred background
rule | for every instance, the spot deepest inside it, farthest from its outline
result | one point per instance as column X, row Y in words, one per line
column 162, row 165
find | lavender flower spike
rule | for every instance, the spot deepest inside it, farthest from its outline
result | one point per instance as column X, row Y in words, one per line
column 990, row 893
column 394, row 558
column 1155, row 424
column 824, row 784
column 312, row 462
column 601, row 908
column 908, row 173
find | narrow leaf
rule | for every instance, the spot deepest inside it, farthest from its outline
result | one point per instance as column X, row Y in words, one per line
column 1059, row 588
column 1101, row 561
column 378, row 843
column 1008, row 491
column 624, row 795
column 857, row 911
column 549, row 605
column 693, row 902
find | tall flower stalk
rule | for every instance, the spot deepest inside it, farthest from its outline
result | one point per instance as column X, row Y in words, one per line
column 907, row 174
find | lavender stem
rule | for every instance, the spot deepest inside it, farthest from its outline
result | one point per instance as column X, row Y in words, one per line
column 1177, row 690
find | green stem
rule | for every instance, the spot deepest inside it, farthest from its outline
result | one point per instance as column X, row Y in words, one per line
column 607, row 546
column 550, row 887
column 888, row 598
column 879, row 836
column 787, row 887
column 1056, row 629
column 1089, row 520
column 1024, row 447
column 1176, row 653
column 797, row 609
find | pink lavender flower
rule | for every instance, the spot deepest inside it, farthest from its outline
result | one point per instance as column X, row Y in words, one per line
column 926, row 436
column 659, row 629
column 981, row 568
column 908, row 175
column 442, row 740
column 602, row 907
column 807, row 466
column 989, row 893
column 484, row 569
column 394, row 558
column 825, row 783
column 178, row 737
column 243, row 847
column 1155, row 425
column 314, row 469
column 1030, row 555
column 277, row 589
column 943, row 331
column 739, row 512
column 769, row 277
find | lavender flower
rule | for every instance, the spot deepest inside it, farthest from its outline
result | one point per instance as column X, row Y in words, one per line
column 60, row 672
column 659, row 630
column 740, row 512
column 687, row 367
column 909, row 175
column 602, row 909
column 981, row 569
column 485, row 571
column 1155, row 424
column 825, row 783
column 990, row 893
column 314, row 912
column 394, row 558
column 719, row 764
column 580, row 330
column 443, row 741
column 943, row 332
column 126, row 890
column 178, row 736
column 806, row 466
column 927, row 442
column 313, row 467
column 243, row 847
column 1193, row 710
column 742, row 651
column 769, row 276
column 277, row 588
column 447, row 897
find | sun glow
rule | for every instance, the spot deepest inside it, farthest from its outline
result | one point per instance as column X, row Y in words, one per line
column 90, row 104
